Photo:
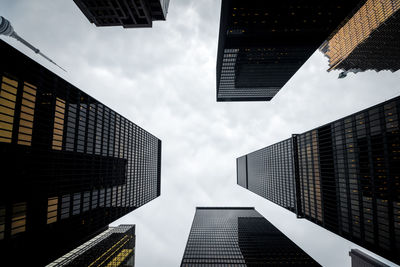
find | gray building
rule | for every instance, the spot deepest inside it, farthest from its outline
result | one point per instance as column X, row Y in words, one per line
column 361, row 259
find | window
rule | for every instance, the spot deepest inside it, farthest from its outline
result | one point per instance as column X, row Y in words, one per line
column 2, row 221
column 18, row 221
column 65, row 206
column 8, row 92
column 27, row 115
column 52, row 206
column 58, row 130
column 76, row 209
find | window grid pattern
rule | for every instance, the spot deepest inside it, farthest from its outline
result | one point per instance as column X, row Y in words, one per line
column 239, row 237
column 8, row 95
column 27, row 114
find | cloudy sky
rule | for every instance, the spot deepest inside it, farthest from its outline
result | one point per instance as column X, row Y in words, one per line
column 163, row 79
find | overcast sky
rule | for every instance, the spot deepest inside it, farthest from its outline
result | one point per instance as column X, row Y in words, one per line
column 163, row 79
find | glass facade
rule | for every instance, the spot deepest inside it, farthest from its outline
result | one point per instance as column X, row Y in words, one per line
column 368, row 39
column 111, row 248
column 239, row 237
column 347, row 177
column 128, row 14
column 263, row 43
column 268, row 172
column 72, row 164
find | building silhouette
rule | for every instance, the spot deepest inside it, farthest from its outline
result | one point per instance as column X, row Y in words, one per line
column 369, row 40
column 346, row 176
column 70, row 164
column 125, row 13
column 237, row 236
column 361, row 259
column 113, row 247
column 263, row 43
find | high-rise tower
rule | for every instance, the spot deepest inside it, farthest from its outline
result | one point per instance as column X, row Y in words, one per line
column 113, row 247
column 125, row 13
column 346, row 176
column 227, row 236
column 70, row 165
column 263, row 43
column 369, row 40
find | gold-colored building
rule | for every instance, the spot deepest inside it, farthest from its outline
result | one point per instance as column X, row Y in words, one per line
column 367, row 40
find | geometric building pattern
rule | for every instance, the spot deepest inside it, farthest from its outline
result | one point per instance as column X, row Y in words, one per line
column 368, row 41
column 113, row 247
column 239, row 237
column 346, row 175
column 125, row 13
column 72, row 164
column 263, row 44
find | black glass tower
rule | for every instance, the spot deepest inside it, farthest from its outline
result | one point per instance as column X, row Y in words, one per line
column 70, row 165
column 230, row 236
column 263, row 43
column 346, row 177
column 113, row 247
column 125, row 13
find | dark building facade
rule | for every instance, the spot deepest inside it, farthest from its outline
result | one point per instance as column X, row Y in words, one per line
column 360, row 259
column 113, row 247
column 368, row 41
column 230, row 236
column 263, row 43
column 347, row 177
column 70, row 165
column 125, row 13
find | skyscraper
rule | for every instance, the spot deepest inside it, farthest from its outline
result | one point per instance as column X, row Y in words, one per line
column 231, row 236
column 368, row 41
column 70, row 165
column 360, row 259
column 263, row 43
column 346, row 176
column 125, row 13
column 113, row 247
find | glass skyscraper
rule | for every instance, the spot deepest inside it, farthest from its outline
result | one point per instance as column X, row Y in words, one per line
column 346, row 176
column 113, row 247
column 369, row 40
column 70, row 165
column 125, row 13
column 237, row 236
column 263, row 43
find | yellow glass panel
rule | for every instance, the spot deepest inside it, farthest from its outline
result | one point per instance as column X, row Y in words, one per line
column 24, row 137
column 52, row 201
column 59, row 121
column 27, row 110
column 4, row 133
column 8, row 111
column 60, row 109
column 57, row 131
column 8, row 96
column 10, row 81
column 26, row 117
column 18, row 223
column 52, row 213
column 18, row 230
column 26, row 143
column 30, row 85
column 57, row 143
column 5, row 140
column 7, row 103
column 29, row 90
column 6, row 126
column 6, row 118
column 25, row 130
column 27, row 124
column 51, row 220
column 28, row 103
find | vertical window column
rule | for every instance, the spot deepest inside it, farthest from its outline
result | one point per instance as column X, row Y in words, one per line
column 8, row 94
